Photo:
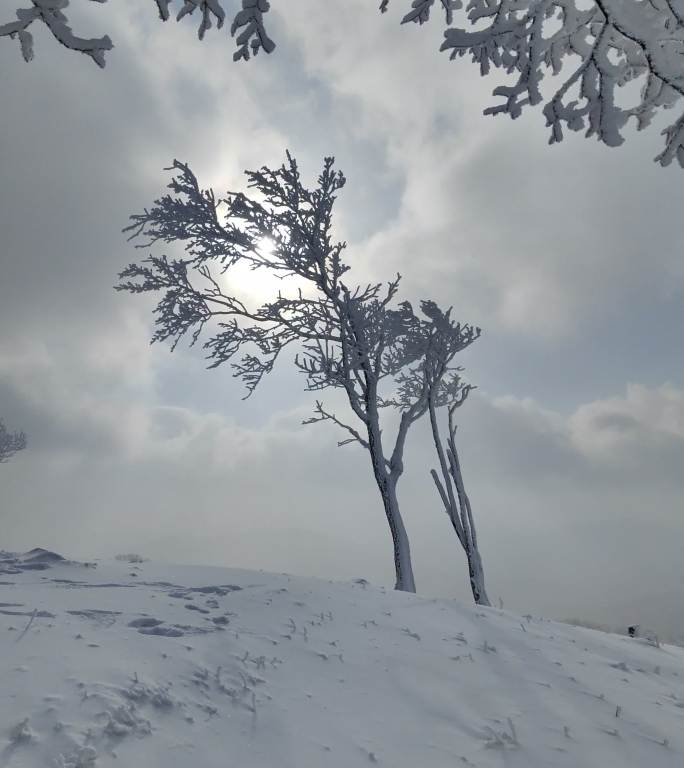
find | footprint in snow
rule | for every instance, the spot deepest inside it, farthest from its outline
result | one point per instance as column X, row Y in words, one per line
column 148, row 626
column 145, row 623
column 222, row 590
column 161, row 631
column 192, row 607
column 104, row 618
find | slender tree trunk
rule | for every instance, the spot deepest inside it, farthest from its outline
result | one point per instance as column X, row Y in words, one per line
column 402, row 551
column 476, row 573
column 475, row 567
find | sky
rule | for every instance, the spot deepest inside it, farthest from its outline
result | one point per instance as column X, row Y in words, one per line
column 568, row 257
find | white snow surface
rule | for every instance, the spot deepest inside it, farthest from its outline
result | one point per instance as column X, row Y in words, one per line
column 143, row 664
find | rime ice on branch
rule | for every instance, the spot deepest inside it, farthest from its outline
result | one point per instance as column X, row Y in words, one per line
column 53, row 14
column 356, row 339
column 247, row 26
column 594, row 46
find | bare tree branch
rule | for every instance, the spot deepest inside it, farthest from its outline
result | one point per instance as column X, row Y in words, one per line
column 323, row 415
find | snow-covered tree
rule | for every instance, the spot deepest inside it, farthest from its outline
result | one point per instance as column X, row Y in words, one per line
column 355, row 339
column 586, row 51
column 10, row 443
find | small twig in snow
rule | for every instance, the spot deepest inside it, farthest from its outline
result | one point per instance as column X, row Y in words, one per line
column 28, row 626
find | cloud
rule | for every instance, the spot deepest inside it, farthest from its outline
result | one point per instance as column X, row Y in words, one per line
column 548, row 240
column 639, row 434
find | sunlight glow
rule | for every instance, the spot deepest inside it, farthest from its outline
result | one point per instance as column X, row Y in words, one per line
column 255, row 286
column 266, row 247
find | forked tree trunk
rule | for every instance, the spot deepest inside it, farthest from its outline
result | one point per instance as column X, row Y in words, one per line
column 457, row 504
column 387, row 484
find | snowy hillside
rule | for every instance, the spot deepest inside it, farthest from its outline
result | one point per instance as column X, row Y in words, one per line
column 140, row 664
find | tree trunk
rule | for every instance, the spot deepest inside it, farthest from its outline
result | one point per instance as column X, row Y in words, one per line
column 402, row 552
column 476, row 573
column 387, row 484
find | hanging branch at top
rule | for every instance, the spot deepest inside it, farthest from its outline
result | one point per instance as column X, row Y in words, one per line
column 593, row 47
column 52, row 13
column 247, row 27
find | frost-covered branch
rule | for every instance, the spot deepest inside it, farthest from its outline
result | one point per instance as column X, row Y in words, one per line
column 53, row 14
column 10, row 443
column 322, row 415
column 249, row 31
column 247, row 27
column 220, row 233
column 592, row 48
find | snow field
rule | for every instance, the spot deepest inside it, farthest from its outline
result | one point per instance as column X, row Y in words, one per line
column 131, row 663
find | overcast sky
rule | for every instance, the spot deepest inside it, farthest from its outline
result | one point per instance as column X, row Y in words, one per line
column 569, row 258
